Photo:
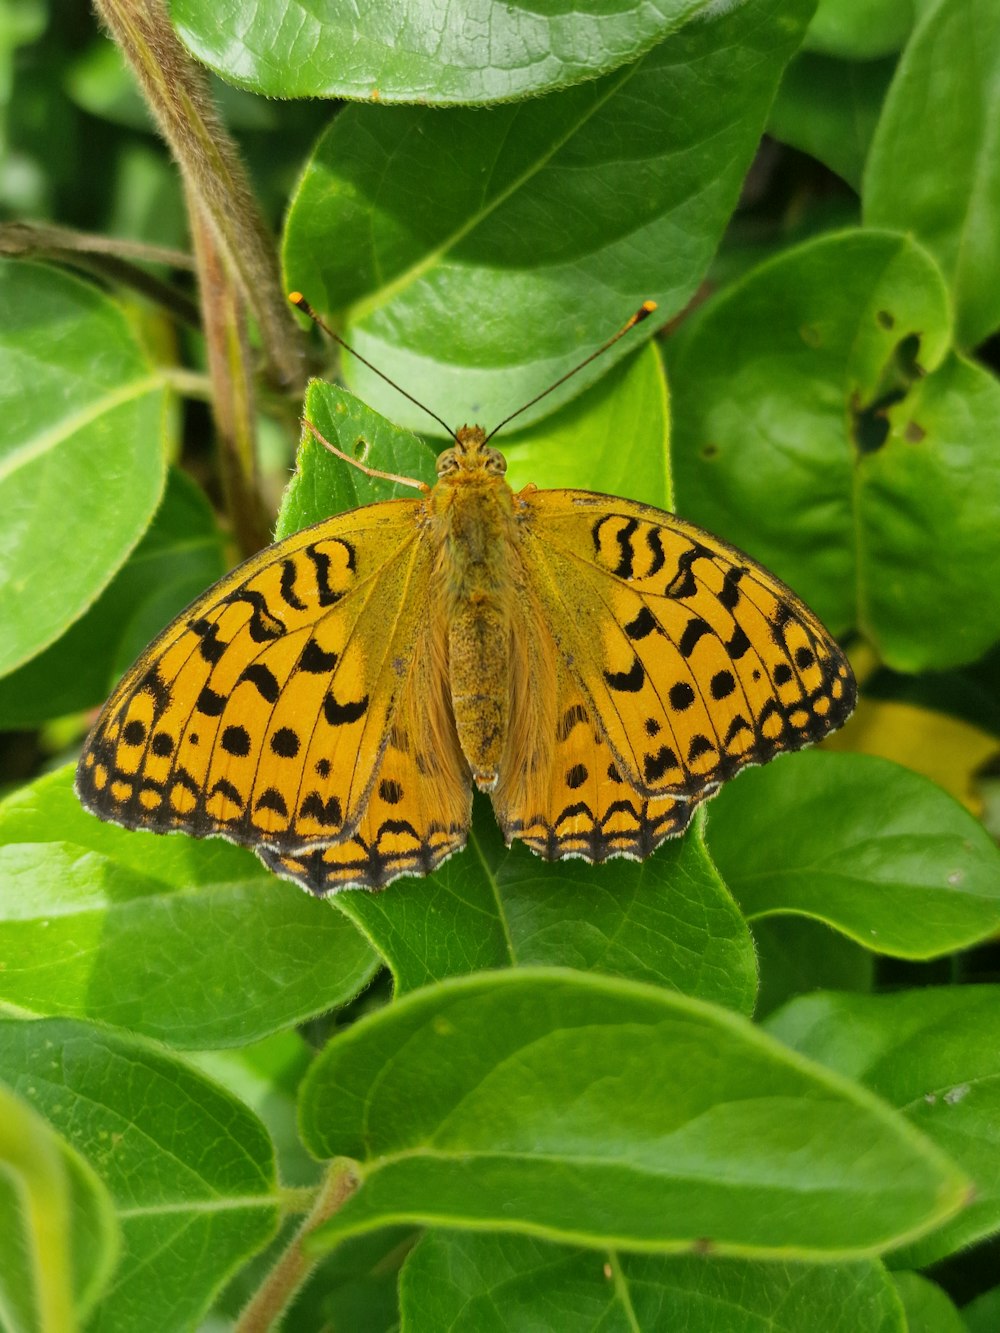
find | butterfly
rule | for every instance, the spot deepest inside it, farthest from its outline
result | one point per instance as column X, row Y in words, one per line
column 597, row 665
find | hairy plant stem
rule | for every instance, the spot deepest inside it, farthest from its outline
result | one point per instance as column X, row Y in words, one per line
column 177, row 92
column 231, row 371
column 294, row 1265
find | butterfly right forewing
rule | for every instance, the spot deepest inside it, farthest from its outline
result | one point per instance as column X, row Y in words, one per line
column 694, row 661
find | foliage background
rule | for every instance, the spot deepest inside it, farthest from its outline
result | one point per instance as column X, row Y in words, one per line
column 756, row 1075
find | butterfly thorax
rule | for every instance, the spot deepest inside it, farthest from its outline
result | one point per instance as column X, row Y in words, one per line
column 477, row 564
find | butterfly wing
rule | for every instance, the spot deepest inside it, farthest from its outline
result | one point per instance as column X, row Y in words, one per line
column 569, row 798
column 420, row 804
column 262, row 713
column 691, row 659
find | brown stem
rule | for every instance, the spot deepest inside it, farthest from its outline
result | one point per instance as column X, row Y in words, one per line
column 177, row 92
column 231, row 372
column 106, row 257
column 294, row 1266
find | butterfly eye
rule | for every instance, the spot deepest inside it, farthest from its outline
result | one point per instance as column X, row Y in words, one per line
column 495, row 461
column 447, row 462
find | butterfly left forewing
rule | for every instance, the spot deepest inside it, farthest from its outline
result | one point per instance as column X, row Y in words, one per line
column 694, row 660
column 261, row 713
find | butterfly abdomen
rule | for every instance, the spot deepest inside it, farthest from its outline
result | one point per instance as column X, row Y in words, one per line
column 477, row 572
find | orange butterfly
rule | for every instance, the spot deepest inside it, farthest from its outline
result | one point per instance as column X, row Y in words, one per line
column 597, row 665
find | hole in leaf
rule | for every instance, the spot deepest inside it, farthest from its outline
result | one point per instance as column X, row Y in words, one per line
column 361, row 448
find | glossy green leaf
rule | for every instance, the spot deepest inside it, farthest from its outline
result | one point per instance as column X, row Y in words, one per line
column 179, row 556
column 928, row 1309
column 82, row 440
column 194, row 942
column 868, row 847
column 829, row 108
column 516, row 1284
column 58, row 1236
column 190, row 1170
column 464, row 51
column 668, row 920
column 603, row 1112
column 934, row 1054
column 477, row 255
column 934, row 168
column 820, row 424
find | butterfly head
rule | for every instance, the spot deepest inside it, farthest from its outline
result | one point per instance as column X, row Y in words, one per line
column 470, row 456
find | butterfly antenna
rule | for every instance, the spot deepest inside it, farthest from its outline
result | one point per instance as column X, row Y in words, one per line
column 297, row 299
column 644, row 311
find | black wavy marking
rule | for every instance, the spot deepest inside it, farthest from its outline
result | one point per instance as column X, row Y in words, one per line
column 693, row 631
column 684, row 584
column 623, row 537
column 370, row 865
column 225, row 788
column 596, row 843
column 316, row 660
column 289, row 573
column 263, row 679
column 339, row 715
column 321, row 563
column 627, row 682
column 328, row 812
column 643, row 624
column 656, row 546
column 211, row 647
column 729, row 593
column 263, row 624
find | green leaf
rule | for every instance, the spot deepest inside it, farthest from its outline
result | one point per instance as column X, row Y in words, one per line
column 928, row 1309
column 934, row 1054
column 82, row 442
column 474, row 51
column 829, row 108
column 324, row 484
column 58, row 1235
column 193, row 942
column 860, row 29
column 868, row 847
column 934, row 168
column 668, row 920
column 798, row 954
column 516, row 1284
column 189, row 1169
column 614, row 438
column 603, row 1112
column 265, row 1076
column 820, row 424
column 180, row 555
column 477, row 254
column 983, row 1314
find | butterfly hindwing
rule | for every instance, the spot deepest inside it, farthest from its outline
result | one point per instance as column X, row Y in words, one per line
column 262, row 712
column 693, row 659
column 420, row 802
column 579, row 803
